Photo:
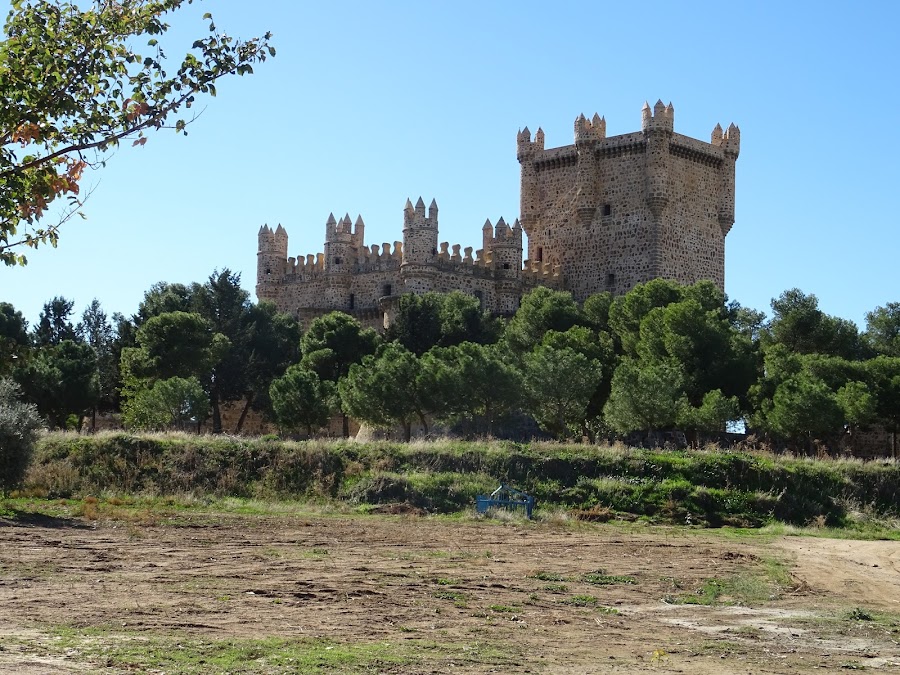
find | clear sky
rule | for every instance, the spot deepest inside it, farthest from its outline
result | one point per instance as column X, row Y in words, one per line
column 369, row 103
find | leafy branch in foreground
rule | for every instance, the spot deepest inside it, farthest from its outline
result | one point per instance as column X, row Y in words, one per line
column 72, row 88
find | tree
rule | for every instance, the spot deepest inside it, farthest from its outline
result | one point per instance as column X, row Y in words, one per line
column 19, row 424
column 884, row 377
column 799, row 324
column 699, row 338
column 332, row 344
column 596, row 346
column 560, row 384
column 471, row 383
column 804, row 409
column 96, row 330
column 628, row 311
column 175, row 402
column 386, row 389
column 644, row 397
column 74, row 89
column 175, row 344
column 14, row 340
column 61, row 380
column 858, row 406
column 273, row 344
column 163, row 298
column 54, row 323
column 438, row 320
column 710, row 417
column 883, row 329
column 300, row 400
column 226, row 306
column 541, row 310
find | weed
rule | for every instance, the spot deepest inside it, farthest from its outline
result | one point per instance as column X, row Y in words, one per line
column 504, row 609
column 581, row 601
column 858, row 614
column 548, row 576
column 449, row 595
column 600, row 579
column 556, row 588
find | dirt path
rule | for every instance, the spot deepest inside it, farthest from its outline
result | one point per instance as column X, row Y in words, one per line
column 450, row 596
column 866, row 573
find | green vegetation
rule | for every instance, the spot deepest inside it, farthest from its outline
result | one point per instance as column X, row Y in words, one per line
column 705, row 488
column 127, row 650
column 601, row 579
column 753, row 587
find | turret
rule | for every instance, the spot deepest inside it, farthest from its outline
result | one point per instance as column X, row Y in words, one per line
column 340, row 253
column 271, row 257
column 420, row 235
column 504, row 248
column 662, row 117
column 529, row 192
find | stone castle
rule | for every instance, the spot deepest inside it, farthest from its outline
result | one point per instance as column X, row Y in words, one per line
column 603, row 214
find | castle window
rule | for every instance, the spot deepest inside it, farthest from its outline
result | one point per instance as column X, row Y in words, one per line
column 268, row 271
column 610, row 280
column 607, row 209
column 540, row 254
column 506, row 266
column 386, row 290
column 480, row 296
column 337, row 261
column 352, row 301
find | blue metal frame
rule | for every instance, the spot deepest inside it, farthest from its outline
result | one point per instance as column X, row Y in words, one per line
column 505, row 497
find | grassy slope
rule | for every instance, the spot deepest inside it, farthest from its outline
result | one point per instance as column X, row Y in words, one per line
column 693, row 487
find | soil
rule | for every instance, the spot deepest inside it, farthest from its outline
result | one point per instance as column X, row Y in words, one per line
column 499, row 596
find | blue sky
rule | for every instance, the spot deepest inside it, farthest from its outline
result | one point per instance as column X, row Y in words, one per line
column 367, row 104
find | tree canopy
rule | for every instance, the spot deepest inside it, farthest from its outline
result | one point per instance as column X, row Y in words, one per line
column 74, row 88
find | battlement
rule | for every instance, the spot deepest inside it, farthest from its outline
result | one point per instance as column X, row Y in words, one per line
column 730, row 140
column 501, row 236
column 414, row 216
column 661, row 117
column 589, row 130
column 525, row 147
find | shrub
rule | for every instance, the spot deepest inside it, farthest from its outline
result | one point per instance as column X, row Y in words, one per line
column 19, row 424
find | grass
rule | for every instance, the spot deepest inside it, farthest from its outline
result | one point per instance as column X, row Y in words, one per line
column 750, row 588
column 182, row 655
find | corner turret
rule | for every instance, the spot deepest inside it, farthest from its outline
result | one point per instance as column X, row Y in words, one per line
column 662, row 117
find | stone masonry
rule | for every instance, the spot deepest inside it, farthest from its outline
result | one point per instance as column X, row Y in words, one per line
column 603, row 214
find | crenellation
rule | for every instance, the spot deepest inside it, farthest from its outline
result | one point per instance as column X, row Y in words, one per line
column 603, row 214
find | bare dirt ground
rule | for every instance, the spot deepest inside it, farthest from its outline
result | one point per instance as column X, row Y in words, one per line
column 452, row 595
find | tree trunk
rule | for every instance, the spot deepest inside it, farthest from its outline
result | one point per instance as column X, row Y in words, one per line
column 240, row 423
column 407, row 431
column 345, row 424
column 216, row 413
column 424, row 423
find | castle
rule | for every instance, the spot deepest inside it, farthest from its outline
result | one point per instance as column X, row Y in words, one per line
column 603, row 214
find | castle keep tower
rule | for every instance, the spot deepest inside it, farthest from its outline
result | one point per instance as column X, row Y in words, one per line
column 617, row 211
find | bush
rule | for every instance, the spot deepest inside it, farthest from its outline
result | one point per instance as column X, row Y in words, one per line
column 19, row 424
